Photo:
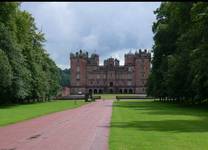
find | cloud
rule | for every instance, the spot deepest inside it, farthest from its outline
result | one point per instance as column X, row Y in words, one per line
column 109, row 28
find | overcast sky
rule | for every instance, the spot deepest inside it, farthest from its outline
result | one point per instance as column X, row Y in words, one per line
column 109, row 29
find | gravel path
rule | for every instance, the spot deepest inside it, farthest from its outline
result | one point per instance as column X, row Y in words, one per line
column 83, row 128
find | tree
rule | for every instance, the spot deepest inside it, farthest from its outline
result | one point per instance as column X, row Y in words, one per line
column 180, row 63
column 33, row 74
column 65, row 77
column 5, row 76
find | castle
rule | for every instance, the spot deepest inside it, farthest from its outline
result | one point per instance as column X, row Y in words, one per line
column 88, row 76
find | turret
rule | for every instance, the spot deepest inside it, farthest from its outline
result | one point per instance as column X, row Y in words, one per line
column 116, row 62
column 78, row 70
column 110, row 62
column 129, row 59
column 95, row 58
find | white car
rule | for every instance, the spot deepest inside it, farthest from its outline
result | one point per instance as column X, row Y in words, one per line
column 80, row 93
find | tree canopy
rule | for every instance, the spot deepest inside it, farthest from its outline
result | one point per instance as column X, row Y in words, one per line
column 180, row 65
column 26, row 70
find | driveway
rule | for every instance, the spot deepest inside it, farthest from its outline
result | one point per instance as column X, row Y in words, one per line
column 83, row 128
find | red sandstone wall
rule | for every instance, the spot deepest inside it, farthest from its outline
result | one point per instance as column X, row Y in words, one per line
column 82, row 63
column 129, row 59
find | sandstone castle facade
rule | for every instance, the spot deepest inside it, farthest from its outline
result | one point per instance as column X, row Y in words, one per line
column 88, row 76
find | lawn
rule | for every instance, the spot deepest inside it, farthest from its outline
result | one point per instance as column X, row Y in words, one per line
column 16, row 113
column 149, row 125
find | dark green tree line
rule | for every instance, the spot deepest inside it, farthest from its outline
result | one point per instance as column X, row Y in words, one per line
column 180, row 62
column 65, row 77
column 26, row 70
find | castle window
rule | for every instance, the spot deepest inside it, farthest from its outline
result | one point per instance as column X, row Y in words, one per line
column 129, row 76
column 129, row 83
column 129, row 69
column 78, row 76
column 98, row 76
column 78, row 69
column 142, row 74
column 143, row 82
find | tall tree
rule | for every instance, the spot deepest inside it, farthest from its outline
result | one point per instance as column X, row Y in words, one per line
column 179, row 69
column 31, row 72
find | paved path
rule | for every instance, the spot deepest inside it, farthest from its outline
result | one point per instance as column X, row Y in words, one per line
column 83, row 128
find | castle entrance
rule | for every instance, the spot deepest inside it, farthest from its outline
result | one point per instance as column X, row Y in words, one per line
column 111, row 84
column 111, row 91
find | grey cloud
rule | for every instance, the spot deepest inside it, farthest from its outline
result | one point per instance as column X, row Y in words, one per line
column 108, row 28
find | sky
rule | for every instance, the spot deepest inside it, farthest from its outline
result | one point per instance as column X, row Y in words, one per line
column 109, row 29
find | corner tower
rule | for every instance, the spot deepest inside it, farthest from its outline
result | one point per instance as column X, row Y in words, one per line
column 78, row 72
column 142, row 70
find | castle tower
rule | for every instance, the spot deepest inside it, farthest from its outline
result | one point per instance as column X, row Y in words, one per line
column 129, row 59
column 78, row 72
column 95, row 59
column 142, row 70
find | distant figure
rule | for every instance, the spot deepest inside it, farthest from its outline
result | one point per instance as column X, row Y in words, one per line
column 86, row 97
column 90, row 96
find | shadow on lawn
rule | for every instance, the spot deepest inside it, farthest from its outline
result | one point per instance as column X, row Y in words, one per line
column 5, row 106
column 165, row 125
column 10, row 105
column 157, row 109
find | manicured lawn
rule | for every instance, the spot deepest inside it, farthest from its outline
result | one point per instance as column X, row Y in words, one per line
column 16, row 113
column 148, row 125
column 112, row 96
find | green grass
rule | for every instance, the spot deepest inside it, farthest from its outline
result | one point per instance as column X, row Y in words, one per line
column 148, row 125
column 111, row 96
column 15, row 113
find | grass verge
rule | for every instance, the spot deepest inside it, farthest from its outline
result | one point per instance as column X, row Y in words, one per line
column 16, row 113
